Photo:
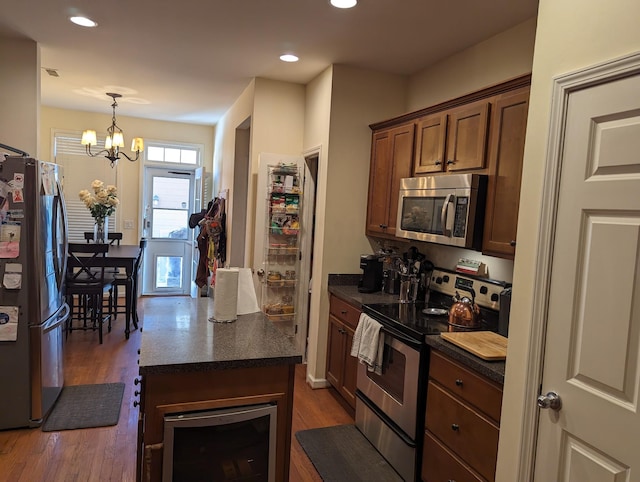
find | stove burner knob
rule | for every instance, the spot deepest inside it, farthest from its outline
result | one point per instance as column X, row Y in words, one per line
column 439, row 280
column 445, row 278
column 495, row 297
column 484, row 290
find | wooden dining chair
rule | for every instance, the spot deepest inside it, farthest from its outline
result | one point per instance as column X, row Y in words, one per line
column 131, row 287
column 86, row 284
column 114, row 238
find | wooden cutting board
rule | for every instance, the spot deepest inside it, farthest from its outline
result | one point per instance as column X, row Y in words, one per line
column 484, row 344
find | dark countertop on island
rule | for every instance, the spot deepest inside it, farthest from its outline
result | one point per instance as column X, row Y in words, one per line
column 345, row 288
column 196, row 344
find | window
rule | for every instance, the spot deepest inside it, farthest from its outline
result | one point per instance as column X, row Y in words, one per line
column 79, row 171
column 172, row 154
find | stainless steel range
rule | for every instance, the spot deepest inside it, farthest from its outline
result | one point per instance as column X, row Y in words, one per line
column 390, row 407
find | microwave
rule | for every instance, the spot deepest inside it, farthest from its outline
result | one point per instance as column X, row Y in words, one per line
column 445, row 209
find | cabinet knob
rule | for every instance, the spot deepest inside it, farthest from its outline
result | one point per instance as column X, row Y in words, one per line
column 512, row 243
column 455, row 427
column 458, row 382
column 383, row 226
column 450, row 161
column 438, row 162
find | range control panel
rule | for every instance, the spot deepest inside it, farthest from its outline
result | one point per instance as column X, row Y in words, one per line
column 487, row 292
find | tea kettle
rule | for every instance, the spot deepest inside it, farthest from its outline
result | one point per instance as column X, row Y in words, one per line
column 465, row 312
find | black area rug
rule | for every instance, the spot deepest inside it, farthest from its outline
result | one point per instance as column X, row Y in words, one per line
column 85, row 406
column 343, row 454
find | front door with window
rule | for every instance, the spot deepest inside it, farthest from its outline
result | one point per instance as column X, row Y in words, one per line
column 168, row 199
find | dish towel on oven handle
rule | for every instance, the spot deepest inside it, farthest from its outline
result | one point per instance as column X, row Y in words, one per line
column 368, row 343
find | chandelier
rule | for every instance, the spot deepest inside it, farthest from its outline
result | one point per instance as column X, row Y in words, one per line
column 114, row 140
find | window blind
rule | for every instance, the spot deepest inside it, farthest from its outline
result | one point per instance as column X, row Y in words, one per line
column 78, row 171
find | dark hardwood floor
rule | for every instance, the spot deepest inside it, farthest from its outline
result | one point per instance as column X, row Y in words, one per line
column 109, row 453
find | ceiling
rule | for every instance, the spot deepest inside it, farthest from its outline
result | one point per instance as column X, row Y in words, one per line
column 189, row 60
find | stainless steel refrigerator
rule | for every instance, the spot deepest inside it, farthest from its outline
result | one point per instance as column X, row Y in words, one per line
column 33, row 254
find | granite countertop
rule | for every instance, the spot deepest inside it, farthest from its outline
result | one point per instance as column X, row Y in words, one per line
column 344, row 287
column 196, row 344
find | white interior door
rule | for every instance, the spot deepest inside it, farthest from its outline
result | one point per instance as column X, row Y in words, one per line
column 593, row 319
column 169, row 197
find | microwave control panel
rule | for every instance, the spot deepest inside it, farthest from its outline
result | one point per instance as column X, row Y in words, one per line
column 460, row 219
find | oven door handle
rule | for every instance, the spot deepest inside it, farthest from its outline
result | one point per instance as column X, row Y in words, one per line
column 403, row 338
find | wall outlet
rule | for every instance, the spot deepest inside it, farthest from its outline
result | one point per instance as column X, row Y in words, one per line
column 128, row 224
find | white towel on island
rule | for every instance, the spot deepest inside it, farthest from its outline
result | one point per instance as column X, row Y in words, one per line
column 368, row 343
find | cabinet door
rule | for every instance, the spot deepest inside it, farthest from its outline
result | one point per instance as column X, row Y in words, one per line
column 431, row 134
column 391, row 160
column 335, row 353
column 467, row 137
column 509, row 122
column 350, row 369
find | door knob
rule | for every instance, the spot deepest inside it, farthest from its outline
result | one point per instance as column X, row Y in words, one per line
column 550, row 400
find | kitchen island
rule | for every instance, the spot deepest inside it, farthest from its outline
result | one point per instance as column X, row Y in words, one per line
column 190, row 365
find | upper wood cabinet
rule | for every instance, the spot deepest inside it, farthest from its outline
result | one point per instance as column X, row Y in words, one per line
column 482, row 132
column 452, row 141
column 508, row 128
column 391, row 160
column 431, row 135
column 467, row 137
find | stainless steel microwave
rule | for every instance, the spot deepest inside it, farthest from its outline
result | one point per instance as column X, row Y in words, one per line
column 446, row 209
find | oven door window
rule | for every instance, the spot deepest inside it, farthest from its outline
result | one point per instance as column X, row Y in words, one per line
column 422, row 214
column 393, row 373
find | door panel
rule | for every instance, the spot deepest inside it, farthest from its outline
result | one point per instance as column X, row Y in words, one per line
column 169, row 197
column 593, row 318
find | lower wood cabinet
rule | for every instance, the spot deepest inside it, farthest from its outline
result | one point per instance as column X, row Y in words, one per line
column 462, row 423
column 341, row 366
column 200, row 390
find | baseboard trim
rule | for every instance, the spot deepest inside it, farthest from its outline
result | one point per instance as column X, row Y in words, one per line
column 317, row 382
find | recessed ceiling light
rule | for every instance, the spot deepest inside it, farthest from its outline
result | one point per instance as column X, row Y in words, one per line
column 288, row 58
column 83, row 21
column 344, row 3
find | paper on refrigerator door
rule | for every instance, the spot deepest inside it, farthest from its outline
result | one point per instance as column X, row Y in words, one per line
column 12, row 279
column 8, row 323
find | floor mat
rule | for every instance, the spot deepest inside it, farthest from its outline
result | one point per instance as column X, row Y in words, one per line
column 84, row 406
column 343, row 454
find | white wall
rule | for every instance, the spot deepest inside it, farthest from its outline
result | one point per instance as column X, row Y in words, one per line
column 571, row 34
column 20, row 94
column 504, row 56
column 343, row 101
column 129, row 173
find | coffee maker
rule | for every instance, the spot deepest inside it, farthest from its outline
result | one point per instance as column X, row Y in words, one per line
column 371, row 280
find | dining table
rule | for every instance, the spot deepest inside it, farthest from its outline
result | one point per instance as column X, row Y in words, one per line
column 120, row 256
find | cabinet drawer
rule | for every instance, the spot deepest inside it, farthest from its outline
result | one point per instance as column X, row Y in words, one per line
column 439, row 464
column 344, row 311
column 480, row 392
column 466, row 432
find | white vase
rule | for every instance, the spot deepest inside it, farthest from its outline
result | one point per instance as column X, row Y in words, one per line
column 101, row 230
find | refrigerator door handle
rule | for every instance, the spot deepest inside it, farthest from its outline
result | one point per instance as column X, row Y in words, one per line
column 61, row 264
column 60, row 317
